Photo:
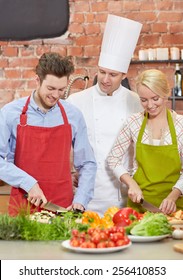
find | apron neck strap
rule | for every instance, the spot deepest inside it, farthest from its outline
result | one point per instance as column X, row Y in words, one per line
column 23, row 116
column 170, row 123
column 172, row 128
column 141, row 132
column 63, row 113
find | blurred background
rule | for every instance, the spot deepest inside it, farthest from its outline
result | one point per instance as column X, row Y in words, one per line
column 162, row 28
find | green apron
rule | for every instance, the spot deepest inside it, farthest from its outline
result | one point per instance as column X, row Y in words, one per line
column 158, row 168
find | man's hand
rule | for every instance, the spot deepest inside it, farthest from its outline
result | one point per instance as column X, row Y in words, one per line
column 76, row 206
column 36, row 196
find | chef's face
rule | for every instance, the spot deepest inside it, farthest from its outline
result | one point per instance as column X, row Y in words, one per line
column 50, row 91
column 152, row 103
column 109, row 80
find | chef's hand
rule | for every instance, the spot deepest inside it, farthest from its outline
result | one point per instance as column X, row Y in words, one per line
column 36, row 196
column 134, row 192
column 76, row 207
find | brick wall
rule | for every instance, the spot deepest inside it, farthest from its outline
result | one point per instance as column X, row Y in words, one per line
column 162, row 27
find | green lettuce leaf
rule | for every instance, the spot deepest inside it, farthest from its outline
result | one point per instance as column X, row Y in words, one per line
column 152, row 224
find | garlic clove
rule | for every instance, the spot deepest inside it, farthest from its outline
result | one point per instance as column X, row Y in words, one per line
column 177, row 234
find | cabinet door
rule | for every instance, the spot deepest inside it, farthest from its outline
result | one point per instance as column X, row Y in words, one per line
column 4, row 200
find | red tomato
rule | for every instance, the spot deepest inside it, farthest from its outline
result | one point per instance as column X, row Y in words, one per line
column 84, row 244
column 113, row 229
column 82, row 234
column 91, row 231
column 110, row 243
column 121, row 229
column 75, row 232
column 126, row 240
column 101, row 244
column 116, row 236
column 74, row 242
column 81, row 240
column 103, row 236
column 107, row 231
column 120, row 242
column 91, row 244
column 95, row 238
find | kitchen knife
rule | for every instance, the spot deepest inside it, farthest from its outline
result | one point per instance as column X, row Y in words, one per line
column 51, row 206
column 56, row 208
column 150, row 207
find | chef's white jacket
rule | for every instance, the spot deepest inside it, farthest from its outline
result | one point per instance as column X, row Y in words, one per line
column 104, row 116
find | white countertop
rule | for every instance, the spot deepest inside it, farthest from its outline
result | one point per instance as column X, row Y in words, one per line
column 52, row 250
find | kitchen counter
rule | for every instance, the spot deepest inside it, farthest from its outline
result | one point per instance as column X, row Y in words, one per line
column 52, row 250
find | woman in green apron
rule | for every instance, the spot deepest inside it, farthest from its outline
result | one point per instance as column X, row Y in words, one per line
column 157, row 136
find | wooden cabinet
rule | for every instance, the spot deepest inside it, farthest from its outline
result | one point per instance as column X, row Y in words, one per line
column 4, row 198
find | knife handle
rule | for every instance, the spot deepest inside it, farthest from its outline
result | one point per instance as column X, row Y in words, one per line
column 25, row 195
column 141, row 200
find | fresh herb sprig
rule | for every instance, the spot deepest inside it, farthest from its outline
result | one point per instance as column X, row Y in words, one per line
column 22, row 227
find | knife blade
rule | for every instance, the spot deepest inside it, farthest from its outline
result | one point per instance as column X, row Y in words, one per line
column 150, row 207
column 54, row 208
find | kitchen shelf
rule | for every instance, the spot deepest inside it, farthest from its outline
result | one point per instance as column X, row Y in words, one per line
column 173, row 99
column 156, row 61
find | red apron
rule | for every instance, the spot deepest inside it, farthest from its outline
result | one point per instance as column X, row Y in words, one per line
column 44, row 153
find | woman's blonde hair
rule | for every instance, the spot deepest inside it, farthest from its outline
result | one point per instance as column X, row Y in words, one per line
column 155, row 80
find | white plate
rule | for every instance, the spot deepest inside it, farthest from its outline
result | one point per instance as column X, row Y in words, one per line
column 135, row 238
column 66, row 245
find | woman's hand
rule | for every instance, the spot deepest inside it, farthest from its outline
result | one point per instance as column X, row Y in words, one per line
column 134, row 191
column 167, row 206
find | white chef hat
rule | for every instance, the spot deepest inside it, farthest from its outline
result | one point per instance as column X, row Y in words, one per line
column 119, row 41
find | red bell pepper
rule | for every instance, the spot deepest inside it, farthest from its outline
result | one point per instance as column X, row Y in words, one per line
column 125, row 216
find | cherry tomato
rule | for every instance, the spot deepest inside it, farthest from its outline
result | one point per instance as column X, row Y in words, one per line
column 91, row 231
column 103, row 236
column 126, row 240
column 84, row 244
column 74, row 242
column 110, row 243
column 91, row 244
column 120, row 242
column 101, row 244
column 95, row 238
column 116, row 236
column 75, row 232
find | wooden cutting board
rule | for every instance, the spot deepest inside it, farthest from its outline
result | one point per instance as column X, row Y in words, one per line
column 178, row 247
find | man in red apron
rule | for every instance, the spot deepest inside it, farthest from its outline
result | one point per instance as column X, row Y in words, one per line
column 38, row 137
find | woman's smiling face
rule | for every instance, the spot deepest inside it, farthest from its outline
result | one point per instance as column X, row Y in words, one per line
column 152, row 103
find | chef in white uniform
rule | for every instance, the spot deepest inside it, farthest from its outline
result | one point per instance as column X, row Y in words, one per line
column 107, row 105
